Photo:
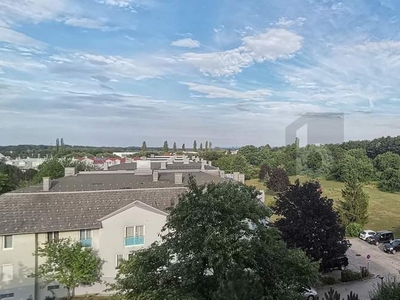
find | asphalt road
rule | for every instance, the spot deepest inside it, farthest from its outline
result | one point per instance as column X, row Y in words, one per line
column 380, row 264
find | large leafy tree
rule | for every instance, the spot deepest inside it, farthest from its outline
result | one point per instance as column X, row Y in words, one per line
column 5, row 185
column 70, row 264
column 390, row 181
column 264, row 172
column 354, row 206
column 386, row 161
column 353, row 167
column 278, row 180
column 210, row 251
column 174, row 147
column 15, row 175
column 194, row 145
column 309, row 222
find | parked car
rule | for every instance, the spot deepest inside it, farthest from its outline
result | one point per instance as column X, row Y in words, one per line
column 309, row 293
column 381, row 237
column 340, row 262
column 366, row 234
column 392, row 247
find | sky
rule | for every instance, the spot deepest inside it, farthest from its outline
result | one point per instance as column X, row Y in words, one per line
column 119, row 72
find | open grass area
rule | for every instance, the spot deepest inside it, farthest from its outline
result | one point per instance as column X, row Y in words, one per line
column 384, row 208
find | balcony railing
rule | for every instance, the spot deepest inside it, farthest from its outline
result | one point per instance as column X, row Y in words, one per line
column 134, row 240
column 86, row 242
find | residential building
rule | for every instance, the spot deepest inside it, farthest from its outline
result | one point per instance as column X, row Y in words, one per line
column 115, row 212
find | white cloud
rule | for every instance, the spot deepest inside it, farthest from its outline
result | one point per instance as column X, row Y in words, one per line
column 188, row 43
column 353, row 76
column 215, row 92
column 85, row 23
column 270, row 45
column 284, row 22
column 34, row 11
column 13, row 37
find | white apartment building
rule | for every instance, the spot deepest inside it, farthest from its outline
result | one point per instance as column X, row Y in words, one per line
column 114, row 212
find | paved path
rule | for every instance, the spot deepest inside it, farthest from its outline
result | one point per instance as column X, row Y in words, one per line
column 380, row 264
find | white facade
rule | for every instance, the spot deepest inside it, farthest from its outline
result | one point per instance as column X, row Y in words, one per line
column 144, row 224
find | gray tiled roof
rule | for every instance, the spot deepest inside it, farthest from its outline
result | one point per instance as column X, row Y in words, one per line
column 78, row 202
column 44, row 212
column 157, row 166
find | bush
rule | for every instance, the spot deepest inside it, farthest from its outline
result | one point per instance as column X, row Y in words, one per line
column 353, row 229
column 327, row 280
column 349, row 275
column 386, row 290
column 364, row 272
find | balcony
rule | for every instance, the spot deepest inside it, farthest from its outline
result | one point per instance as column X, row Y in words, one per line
column 86, row 242
column 134, row 241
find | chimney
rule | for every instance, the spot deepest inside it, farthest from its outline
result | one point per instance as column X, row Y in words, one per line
column 152, row 155
column 241, row 178
column 196, row 159
column 128, row 160
column 222, row 174
column 202, row 165
column 170, row 161
column 236, row 176
column 69, row 172
column 105, row 166
column 46, row 184
column 210, row 163
column 163, row 165
column 178, row 178
column 143, row 167
column 155, row 176
column 186, row 161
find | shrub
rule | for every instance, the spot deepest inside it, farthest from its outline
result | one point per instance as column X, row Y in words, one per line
column 386, row 290
column 353, row 229
column 327, row 280
column 349, row 275
column 364, row 272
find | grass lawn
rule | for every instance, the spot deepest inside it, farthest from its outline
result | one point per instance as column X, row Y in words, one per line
column 384, row 208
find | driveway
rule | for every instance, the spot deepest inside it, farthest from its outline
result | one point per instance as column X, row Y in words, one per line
column 380, row 264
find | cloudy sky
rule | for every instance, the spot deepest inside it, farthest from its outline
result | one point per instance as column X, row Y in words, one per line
column 117, row 72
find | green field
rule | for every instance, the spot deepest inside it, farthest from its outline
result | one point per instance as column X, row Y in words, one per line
column 384, row 208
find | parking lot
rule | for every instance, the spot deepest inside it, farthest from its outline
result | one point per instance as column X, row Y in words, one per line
column 380, row 264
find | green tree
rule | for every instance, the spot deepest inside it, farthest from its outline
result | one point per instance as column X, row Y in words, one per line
column 201, row 146
column 388, row 160
column 144, row 146
column 254, row 155
column 68, row 263
column 209, row 251
column 354, row 206
column 278, row 180
column 5, row 185
column 15, row 175
column 57, row 145
column 52, row 168
column 263, row 175
column 390, row 181
column 165, row 147
column 174, row 148
column 62, row 146
column 183, row 147
column 309, row 222
column 209, row 145
column 194, row 145
column 354, row 167
column 206, row 146
column 314, row 160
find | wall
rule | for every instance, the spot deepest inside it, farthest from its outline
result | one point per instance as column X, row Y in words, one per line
column 20, row 256
column 113, row 233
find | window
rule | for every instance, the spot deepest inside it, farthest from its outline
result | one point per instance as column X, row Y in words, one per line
column 8, row 242
column 86, row 237
column 6, row 296
column 134, row 235
column 53, row 236
column 120, row 258
column 53, row 287
column 7, row 273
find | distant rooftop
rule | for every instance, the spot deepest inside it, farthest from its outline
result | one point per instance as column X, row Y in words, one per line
column 156, row 165
column 116, row 180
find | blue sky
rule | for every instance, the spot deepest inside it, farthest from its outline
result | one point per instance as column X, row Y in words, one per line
column 117, row 72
